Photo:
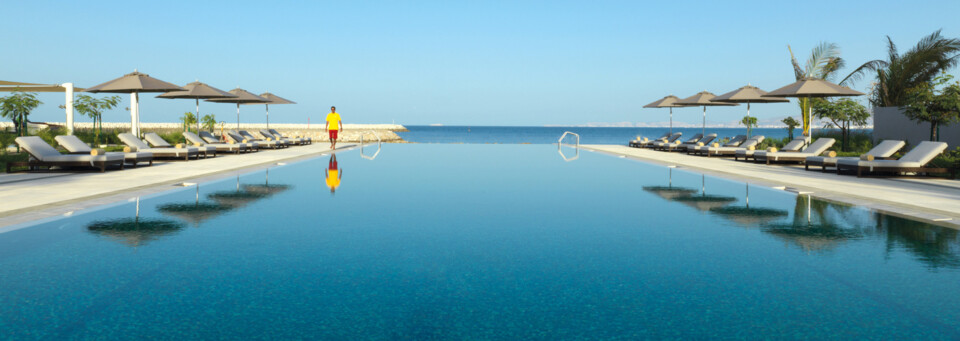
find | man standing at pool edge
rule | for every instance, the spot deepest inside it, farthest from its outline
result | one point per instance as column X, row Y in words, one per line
column 333, row 121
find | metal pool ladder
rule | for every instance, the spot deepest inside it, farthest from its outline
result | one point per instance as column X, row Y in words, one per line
column 576, row 154
column 379, row 143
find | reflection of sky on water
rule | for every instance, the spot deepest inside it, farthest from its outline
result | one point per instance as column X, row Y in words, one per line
column 473, row 241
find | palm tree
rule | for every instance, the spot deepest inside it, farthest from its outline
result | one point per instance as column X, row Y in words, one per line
column 824, row 60
column 897, row 75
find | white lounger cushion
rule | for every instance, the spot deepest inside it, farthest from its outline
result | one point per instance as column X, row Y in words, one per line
column 73, row 144
column 753, row 141
column 883, row 150
column 133, row 141
column 816, row 148
column 919, row 156
column 45, row 153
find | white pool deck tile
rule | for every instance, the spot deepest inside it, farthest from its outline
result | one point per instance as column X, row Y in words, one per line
column 928, row 199
column 29, row 196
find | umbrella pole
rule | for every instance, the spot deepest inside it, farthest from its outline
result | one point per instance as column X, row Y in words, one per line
column 198, row 115
column 704, row 131
column 671, row 121
column 133, row 115
column 268, row 115
column 810, row 128
column 748, row 120
column 238, row 116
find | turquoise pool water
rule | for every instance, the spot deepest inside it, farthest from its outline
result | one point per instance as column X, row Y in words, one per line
column 479, row 242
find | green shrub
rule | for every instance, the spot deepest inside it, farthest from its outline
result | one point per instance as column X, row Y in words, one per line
column 7, row 158
column 860, row 141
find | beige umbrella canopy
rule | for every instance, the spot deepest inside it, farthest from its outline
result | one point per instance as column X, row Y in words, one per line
column 8, row 86
column 702, row 99
column 198, row 91
column 809, row 88
column 272, row 99
column 243, row 97
column 667, row 102
column 747, row 94
column 134, row 83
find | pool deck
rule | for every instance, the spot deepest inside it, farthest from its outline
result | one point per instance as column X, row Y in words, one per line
column 928, row 199
column 39, row 195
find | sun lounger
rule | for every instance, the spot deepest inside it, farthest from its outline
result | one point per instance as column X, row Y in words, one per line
column 913, row 161
column 814, row 149
column 234, row 136
column 672, row 139
column 220, row 146
column 793, row 146
column 307, row 140
column 247, row 135
column 158, row 142
column 734, row 142
column 176, row 153
column 685, row 146
column 270, row 136
column 640, row 142
column 664, row 146
column 882, row 151
column 262, row 142
column 44, row 155
column 74, row 145
column 729, row 149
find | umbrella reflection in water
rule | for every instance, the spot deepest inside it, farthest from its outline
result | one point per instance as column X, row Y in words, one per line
column 669, row 192
column 747, row 216
column 812, row 228
column 704, row 201
column 135, row 231
column 195, row 212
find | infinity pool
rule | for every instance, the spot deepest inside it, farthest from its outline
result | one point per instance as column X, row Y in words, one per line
column 478, row 242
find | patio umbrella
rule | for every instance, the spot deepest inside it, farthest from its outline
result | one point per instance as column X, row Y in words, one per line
column 243, row 97
column 749, row 216
column 809, row 88
column 272, row 99
column 748, row 94
column 667, row 102
column 702, row 99
column 198, row 91
column 134, row 83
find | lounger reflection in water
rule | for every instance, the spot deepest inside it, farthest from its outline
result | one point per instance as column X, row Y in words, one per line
column 44, row 155
column 74, row 145
column 133, row 142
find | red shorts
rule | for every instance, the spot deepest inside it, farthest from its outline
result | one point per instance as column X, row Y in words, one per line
column 333, row 134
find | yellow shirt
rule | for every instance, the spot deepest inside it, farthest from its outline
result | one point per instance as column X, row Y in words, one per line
column 333, row 121
column 333, row 178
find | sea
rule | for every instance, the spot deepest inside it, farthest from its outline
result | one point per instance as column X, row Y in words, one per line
column 548, row 135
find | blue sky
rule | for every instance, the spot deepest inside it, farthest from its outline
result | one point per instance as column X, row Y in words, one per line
column 450, row 62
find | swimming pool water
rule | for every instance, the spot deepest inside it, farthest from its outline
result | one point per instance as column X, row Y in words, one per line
column 479, row 242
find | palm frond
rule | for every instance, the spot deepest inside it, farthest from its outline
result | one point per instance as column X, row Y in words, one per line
column 820, row 58
column 797, row 70
column 858, row 73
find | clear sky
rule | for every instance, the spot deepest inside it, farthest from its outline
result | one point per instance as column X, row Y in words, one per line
column 449, row 62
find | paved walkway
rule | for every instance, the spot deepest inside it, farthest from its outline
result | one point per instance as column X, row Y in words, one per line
column 30, row 196
column 920, row 198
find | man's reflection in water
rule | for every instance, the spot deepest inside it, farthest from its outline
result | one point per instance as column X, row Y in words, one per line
column 333, row 174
